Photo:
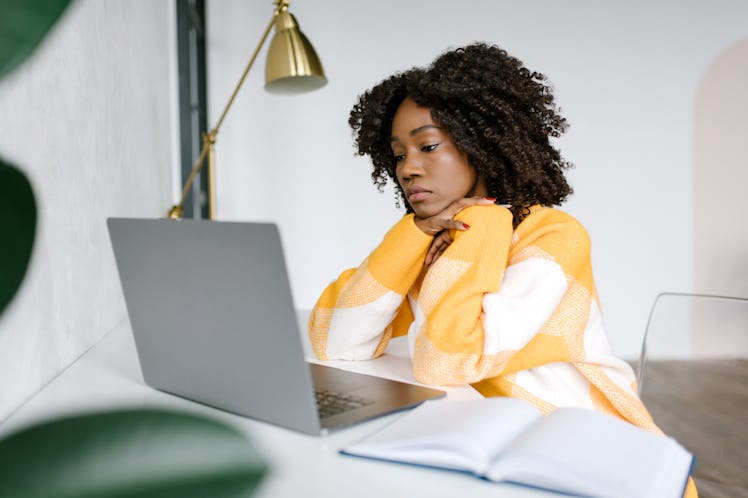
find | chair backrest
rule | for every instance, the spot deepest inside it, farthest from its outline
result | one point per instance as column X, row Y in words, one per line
column 689, row 325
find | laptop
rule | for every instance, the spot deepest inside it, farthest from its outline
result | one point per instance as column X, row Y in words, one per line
column 213, row 320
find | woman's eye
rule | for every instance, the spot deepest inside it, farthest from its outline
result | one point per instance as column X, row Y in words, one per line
column 429, row 148
column 399, row 157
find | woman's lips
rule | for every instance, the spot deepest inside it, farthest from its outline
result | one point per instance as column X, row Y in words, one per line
column 416, row 194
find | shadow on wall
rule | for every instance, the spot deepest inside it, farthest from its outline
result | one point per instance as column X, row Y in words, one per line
column 720, row 179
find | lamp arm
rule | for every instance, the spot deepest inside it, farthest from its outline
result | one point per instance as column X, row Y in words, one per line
column 209, row 139
column 245, row 73
column 177, row 210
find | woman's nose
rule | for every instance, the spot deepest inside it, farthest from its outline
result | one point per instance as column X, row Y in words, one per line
column 410, row 167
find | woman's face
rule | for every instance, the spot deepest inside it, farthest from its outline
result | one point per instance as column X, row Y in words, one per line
column 431, row 170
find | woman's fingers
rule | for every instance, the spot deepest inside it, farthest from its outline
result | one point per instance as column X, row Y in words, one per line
column 430, row 255
column 437, row 224
column 467, row 202
column 438, row 246
column 440, row 225
column 445, row 219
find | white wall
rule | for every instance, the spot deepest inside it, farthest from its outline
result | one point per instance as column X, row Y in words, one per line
column 90, row 120
column 721, row 202
column 625, row 75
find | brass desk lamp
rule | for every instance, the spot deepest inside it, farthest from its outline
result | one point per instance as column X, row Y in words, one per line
column 292, row 66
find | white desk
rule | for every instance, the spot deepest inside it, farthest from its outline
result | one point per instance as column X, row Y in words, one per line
column 108, row 375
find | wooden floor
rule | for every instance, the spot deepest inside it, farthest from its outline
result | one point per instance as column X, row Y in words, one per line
column 704, row 405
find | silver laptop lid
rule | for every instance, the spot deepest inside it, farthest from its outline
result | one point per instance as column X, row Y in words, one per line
column 213, row 317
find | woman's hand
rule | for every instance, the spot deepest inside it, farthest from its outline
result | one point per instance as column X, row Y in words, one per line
column 442, row 240
column 441, row 223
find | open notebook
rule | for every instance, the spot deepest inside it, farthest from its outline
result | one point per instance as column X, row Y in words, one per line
column 572, row 450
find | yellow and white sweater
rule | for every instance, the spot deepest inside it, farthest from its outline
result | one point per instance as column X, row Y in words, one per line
column 512, row 312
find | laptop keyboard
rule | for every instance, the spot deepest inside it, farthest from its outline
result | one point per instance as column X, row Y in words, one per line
column 331, row 403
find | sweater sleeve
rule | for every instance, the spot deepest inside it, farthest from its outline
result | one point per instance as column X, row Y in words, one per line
column 449, row 338
column 358, row 313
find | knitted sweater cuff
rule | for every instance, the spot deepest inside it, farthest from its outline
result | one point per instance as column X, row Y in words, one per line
column 398, row 260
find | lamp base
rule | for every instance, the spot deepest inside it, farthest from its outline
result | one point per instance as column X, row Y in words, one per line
column 176, row 212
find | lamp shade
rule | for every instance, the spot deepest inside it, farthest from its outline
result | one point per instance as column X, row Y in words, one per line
column 292, row 65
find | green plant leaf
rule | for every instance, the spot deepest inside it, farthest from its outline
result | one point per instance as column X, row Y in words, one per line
column 23, row 24
column 17, row 230
column 128, row 453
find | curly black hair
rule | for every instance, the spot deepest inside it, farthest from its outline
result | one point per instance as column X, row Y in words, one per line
column 498, row 112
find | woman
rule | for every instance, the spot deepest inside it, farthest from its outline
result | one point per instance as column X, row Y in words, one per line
column 492, row 285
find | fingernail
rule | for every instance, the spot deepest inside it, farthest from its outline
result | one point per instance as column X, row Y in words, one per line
column 466, row 226
column 492, row 199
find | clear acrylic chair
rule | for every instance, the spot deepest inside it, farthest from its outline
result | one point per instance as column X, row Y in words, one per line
column 694, row 326
column 693, row 378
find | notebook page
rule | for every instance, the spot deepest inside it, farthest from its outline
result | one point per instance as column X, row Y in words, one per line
column 453, row 434
column 581, row 451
